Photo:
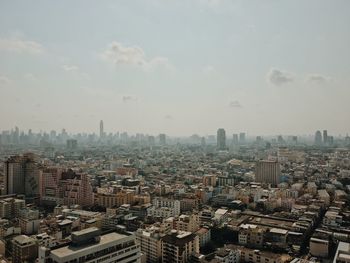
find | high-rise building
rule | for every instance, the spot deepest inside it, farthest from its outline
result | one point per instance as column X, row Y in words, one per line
column 72, row 144
column 235, row 139
column 162, row 139
column 50, row 187
column 268, row 172
column 76, row 189
column 318, row 138
column 242, row 138
column 22, row 175
column 325, row 136
column 221, row 139
column 101, row 129
column 89, row 245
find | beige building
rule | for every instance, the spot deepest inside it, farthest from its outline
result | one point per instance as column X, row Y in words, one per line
column 10, row 207
column 319, row 247
column 268, row 172
column 150, row 243
column 189, row 223
column 110, row 200
column 24, row 249
column 178, row 246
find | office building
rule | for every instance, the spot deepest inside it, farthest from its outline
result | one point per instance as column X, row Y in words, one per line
column 242, row 138
column 162, row 139
column 221, row 139
column 235, row 139
column 318, row 138
column 72, row 144
column 325, row 137
column 89, row 245
column 268, row 172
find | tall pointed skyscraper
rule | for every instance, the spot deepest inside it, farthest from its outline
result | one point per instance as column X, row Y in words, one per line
column 101, row 129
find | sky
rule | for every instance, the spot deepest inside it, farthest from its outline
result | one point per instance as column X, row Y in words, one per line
column 178, row 67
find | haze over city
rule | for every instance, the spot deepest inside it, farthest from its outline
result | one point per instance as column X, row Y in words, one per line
column 175, row 67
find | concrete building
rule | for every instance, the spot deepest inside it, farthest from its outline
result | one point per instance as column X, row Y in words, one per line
column 24, row 249
column 319, row 247
column 226, row 255
column 268, row 172
column 110, row 200
column 10, row 207
column 221, row 139
column 29, row 221
column 22, row 175
column 177, row 247
column 75, row 189
column 50, row 191
column 204, row 235
column 163, row 207
column 189, row 223
column 209, row 180
column 89, row 245
column 342, row 255
column 150, row 243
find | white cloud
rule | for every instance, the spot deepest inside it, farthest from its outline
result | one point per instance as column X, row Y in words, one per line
column 21, row 46
column 279, row 77
column 134, row 56
column 70, row 68
column 235, row 104
column 317, row 78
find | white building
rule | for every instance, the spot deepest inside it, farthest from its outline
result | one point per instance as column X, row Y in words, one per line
column 89, row 246
column 165, row 208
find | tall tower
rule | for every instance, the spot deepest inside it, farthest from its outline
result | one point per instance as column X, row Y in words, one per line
column 325, row 136
column 221, row 139
column 101, row 129
column 318, row 138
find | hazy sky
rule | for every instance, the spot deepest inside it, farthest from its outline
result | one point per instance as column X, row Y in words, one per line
column 179, row 67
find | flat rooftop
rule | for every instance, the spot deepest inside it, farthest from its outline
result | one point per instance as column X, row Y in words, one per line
column 71, row 250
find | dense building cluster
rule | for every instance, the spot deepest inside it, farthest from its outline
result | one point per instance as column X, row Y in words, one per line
column 119, row 198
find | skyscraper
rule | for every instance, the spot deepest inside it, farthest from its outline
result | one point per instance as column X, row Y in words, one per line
column 242, row 138
column 235, row 139
column 267, row 172
column 325, row 137
column 318, row 138
column 162, row 139
column 101, row 129
column 221, row 139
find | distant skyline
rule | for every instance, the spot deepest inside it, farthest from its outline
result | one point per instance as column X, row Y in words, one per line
column 177, row 67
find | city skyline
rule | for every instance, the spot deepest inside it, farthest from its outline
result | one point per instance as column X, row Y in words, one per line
column 179, row 67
